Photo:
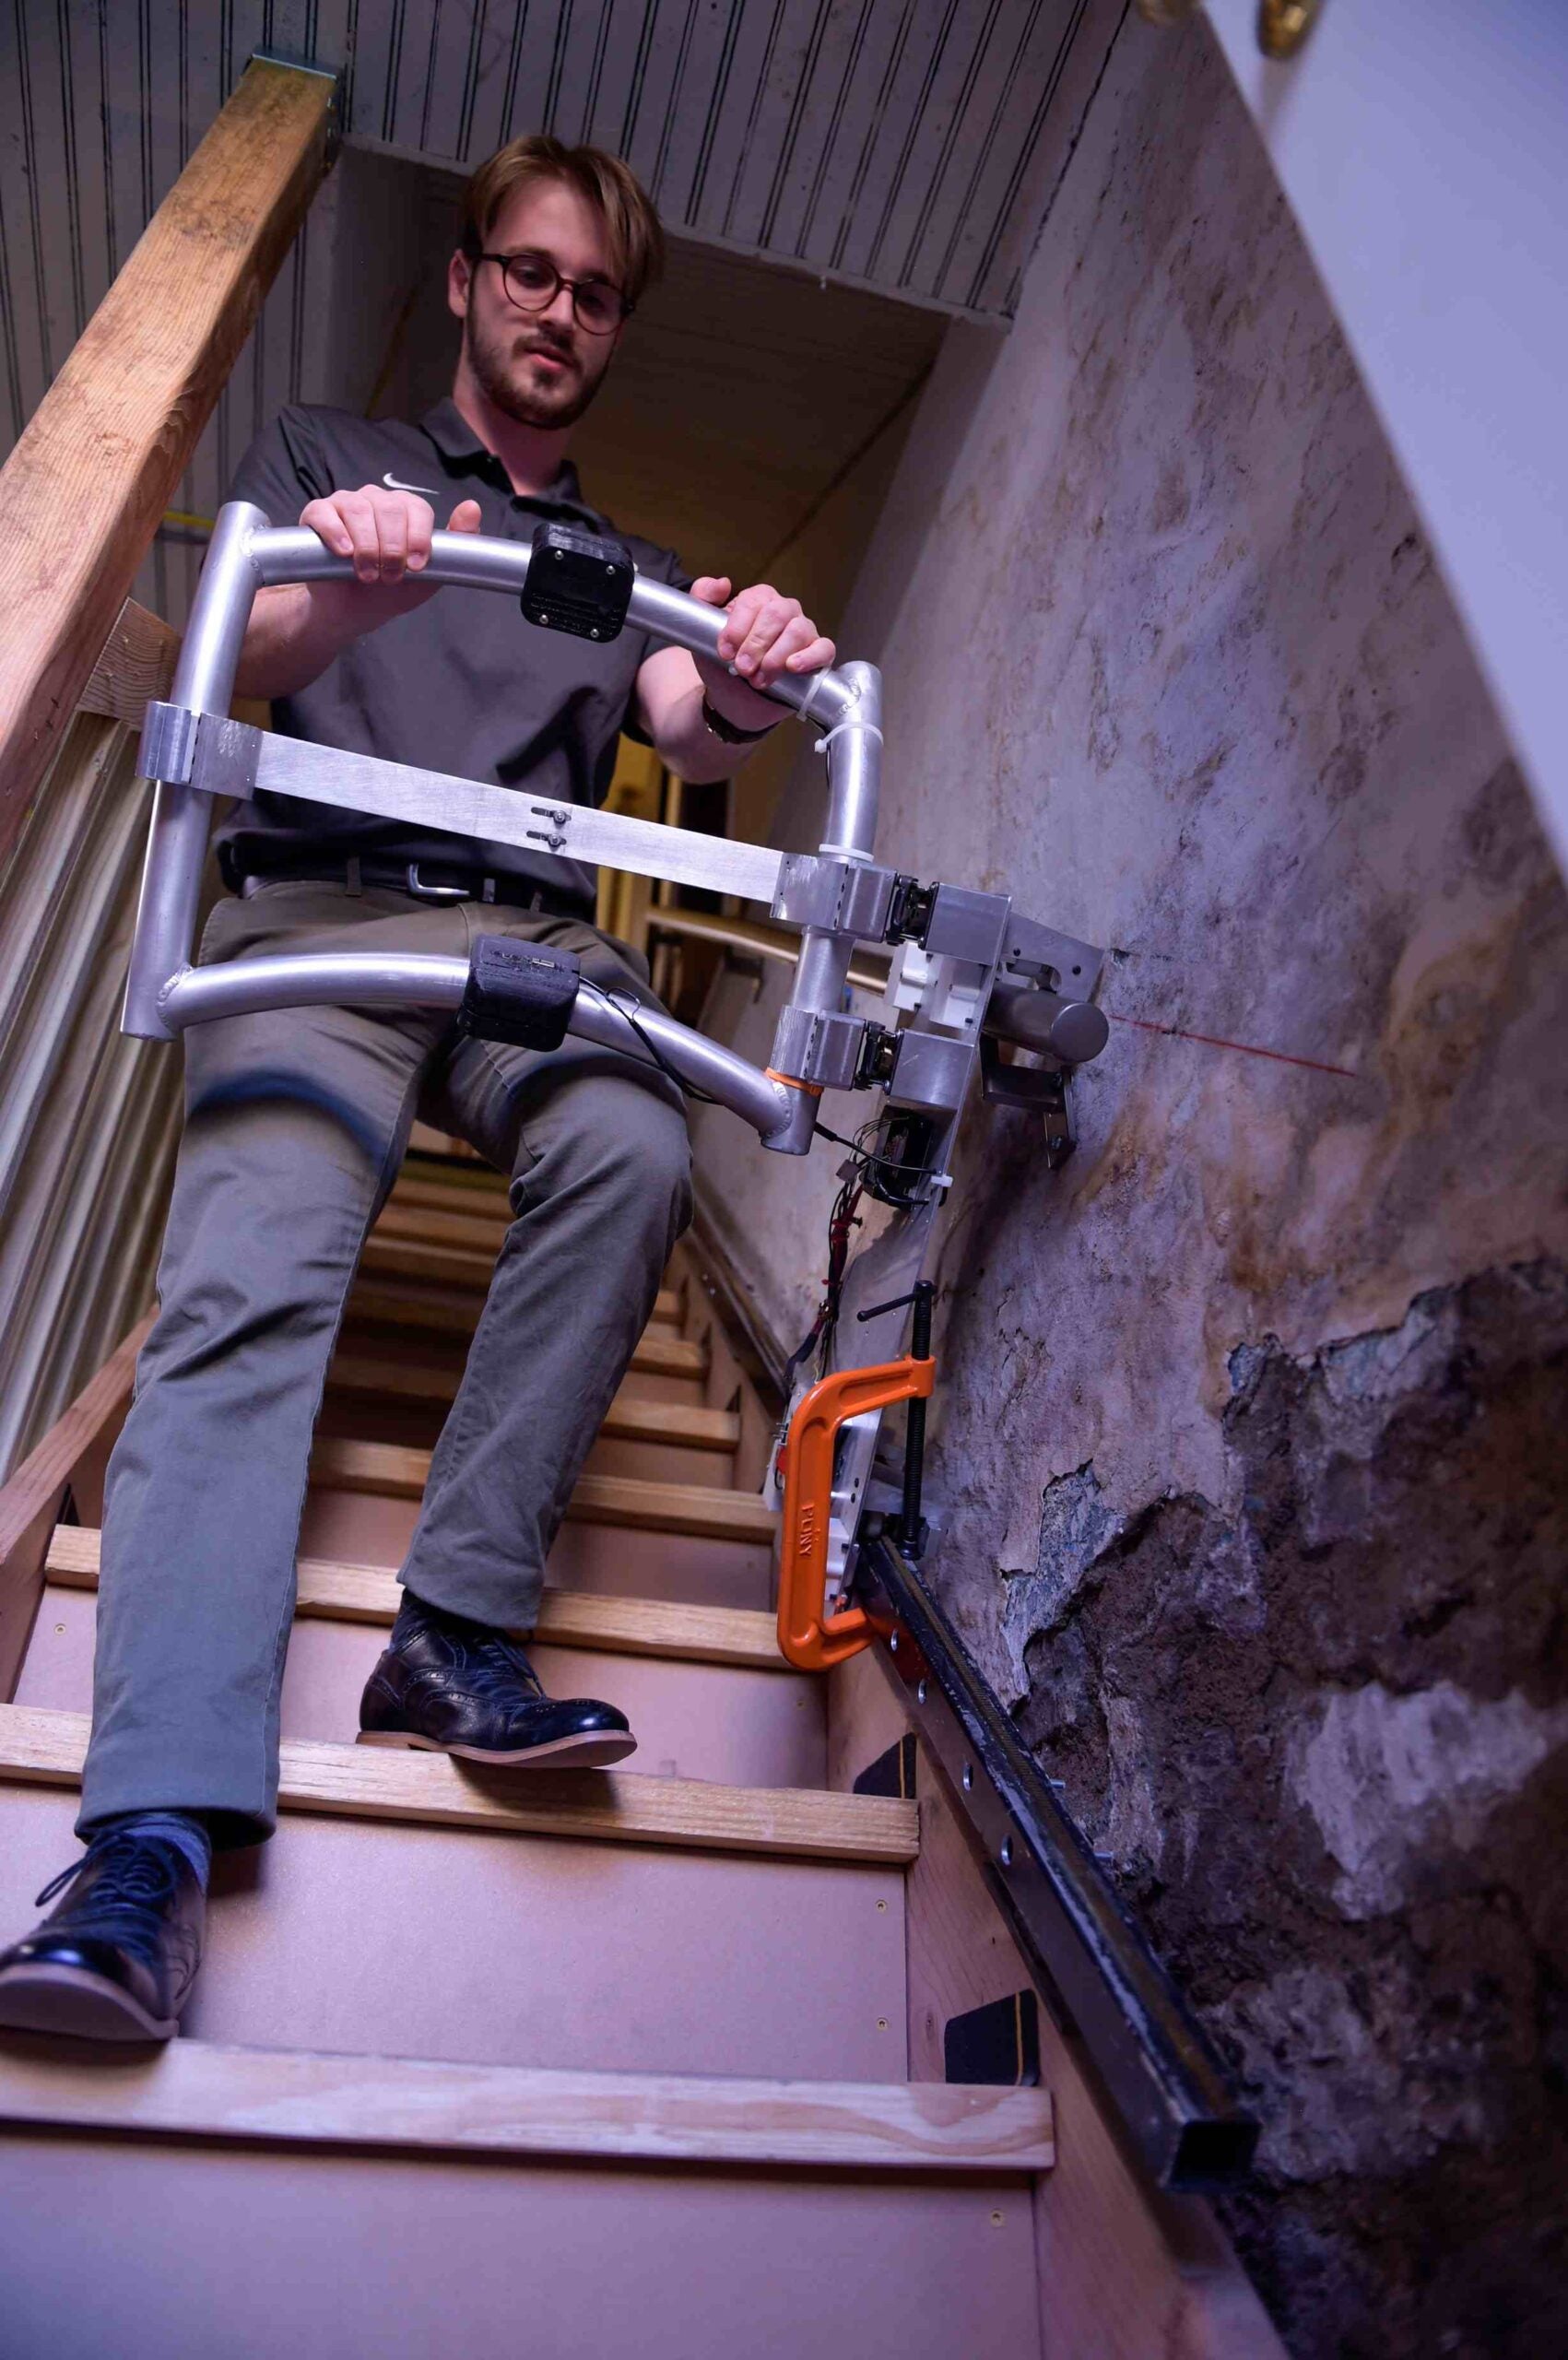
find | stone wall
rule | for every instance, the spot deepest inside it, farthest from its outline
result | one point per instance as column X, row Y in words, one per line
column 1249, row 1442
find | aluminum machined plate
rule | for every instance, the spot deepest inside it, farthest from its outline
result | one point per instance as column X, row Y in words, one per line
column 227, row 765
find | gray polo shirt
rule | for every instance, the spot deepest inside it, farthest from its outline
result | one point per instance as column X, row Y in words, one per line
column 462, row 685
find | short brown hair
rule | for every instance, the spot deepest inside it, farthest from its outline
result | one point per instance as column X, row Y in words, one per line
column 613, row 190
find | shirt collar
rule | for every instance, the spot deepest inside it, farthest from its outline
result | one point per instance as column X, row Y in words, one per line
column 456, row 440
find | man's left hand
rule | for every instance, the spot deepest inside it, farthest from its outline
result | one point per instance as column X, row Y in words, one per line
column 765, row 635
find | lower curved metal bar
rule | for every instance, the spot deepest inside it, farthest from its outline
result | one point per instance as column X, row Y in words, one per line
column 782, row 1116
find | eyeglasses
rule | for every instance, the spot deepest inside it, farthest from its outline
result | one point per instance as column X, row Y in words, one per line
column 533, row 282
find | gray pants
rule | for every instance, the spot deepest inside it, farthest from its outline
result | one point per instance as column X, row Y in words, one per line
column 296, row 1125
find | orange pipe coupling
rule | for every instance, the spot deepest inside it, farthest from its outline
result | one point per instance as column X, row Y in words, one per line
column 809, row 1637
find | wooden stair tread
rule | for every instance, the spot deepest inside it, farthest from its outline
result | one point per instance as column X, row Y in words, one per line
column 397, row 1472
column 376, row 1782
column 630, row 1418
column 485, row 1194
column 656, row 1354
column 637, row 1626
column 197, row 2089
column 397, row 1254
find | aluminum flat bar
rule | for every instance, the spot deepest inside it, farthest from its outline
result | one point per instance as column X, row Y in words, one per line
column 464, row 807
column 1092, row 1965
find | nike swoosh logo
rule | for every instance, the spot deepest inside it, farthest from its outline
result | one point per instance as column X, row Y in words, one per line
column 426, row 492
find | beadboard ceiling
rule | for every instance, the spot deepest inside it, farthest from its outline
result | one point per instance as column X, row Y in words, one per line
column 904, row 149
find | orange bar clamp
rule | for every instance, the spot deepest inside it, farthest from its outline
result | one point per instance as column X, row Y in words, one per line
column 808, row 1638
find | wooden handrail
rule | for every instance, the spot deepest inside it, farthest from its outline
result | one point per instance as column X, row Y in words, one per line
column 30, row 1501
column 82, row 493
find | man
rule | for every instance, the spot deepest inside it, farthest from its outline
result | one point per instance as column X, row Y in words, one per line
column 297, row 1121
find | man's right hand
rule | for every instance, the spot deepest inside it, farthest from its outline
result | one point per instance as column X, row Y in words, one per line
column 387, row 534
column 298, row 628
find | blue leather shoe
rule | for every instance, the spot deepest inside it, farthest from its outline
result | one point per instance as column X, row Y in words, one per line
column 452, row 1686
column 116, row 1960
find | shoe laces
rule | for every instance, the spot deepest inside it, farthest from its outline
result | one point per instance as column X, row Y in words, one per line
column 492, row 1669
column 138, row 1878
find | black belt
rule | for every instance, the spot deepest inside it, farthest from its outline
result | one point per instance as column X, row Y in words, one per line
column 425, row 880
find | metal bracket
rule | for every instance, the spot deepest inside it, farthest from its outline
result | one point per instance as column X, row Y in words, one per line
column 836, row 895
column 812, row 1047
column 169, row 743
column 1071, row 966
column 1038, row 1090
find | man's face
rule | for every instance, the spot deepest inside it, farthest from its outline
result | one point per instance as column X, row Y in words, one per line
column 538, row 367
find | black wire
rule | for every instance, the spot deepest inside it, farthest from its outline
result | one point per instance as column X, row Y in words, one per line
column 866, row 1158
column 690, row 1089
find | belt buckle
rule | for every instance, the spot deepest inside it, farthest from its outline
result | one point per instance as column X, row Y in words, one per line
column 423, row 893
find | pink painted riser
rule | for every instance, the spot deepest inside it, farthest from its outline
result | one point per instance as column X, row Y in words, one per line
column 235, row 2255
column 692, row 1720
column 364, row 1530
column 395, row 1940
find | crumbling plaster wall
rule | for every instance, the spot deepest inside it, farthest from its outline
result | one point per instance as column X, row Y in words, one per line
column 1249, row 1444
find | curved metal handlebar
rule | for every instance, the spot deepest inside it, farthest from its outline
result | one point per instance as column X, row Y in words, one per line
column 781, row 1116
column 248, row 553
column 475, row 561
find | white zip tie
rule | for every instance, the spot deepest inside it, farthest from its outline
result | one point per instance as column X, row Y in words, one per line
column 839, row 728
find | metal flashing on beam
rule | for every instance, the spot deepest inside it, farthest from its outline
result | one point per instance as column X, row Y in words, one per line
column 333, row 73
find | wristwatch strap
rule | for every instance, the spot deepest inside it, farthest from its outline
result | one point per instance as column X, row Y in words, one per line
column 727, row 732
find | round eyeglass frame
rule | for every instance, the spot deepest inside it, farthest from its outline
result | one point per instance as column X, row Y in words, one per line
column 559, row 279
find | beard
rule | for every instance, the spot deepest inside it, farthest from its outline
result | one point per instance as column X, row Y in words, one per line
column 498, row 361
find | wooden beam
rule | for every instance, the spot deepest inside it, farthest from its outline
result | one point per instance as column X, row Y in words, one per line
column 30, row 1501
column 393, row 1471
column 630, row 1417
column 735, row 1635
column 137, row 662
column 200, row 2089
column 603, row 1806
column 82, row 494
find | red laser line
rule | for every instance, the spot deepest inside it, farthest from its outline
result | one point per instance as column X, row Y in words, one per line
column 1245, row 1048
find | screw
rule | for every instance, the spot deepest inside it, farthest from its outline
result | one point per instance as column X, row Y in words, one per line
column 894, row 1644
column 920, row 1694
column 881, row 1905
column 610, row 566
column 881, row 2024
column 1006, row 1855
column 558, row 555
column 968, row 1777
column 593, row 630
column 59, row 1629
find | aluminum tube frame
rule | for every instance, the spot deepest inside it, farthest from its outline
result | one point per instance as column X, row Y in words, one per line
column 479, row 562
column 854, row 770
column 781, row 1116
column 181, row 816
column 247, row 553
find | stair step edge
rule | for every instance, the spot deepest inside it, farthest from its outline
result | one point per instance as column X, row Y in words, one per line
column 630, row 1418
column 737, row 1636
column 397, row 1471
column 196, row 2089
column 658, row 1352
column 39, row 1747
